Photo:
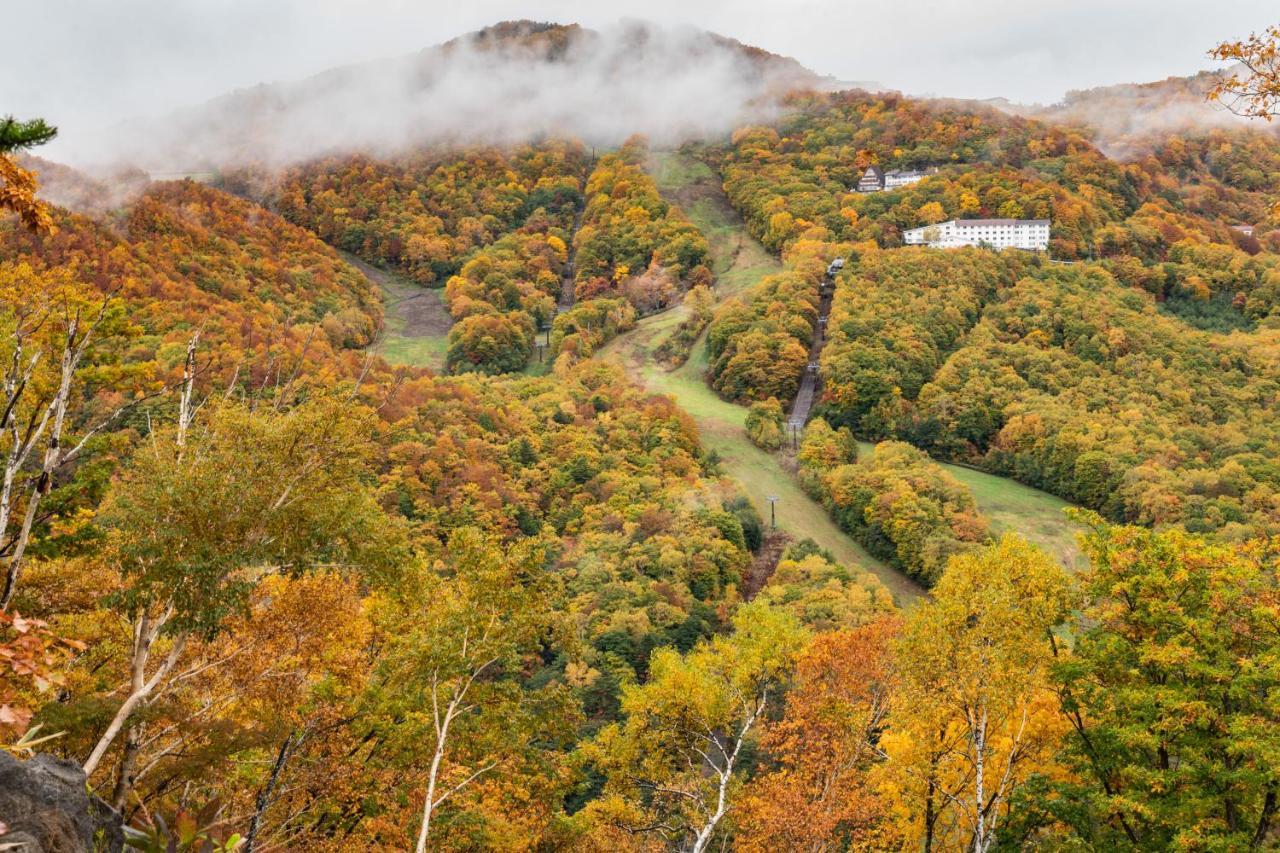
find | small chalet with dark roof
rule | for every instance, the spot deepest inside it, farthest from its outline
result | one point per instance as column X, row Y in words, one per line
column 872, row 180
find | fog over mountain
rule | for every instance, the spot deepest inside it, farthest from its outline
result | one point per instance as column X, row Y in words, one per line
column 522, row 81
column 1124, row 119
column 507, row 83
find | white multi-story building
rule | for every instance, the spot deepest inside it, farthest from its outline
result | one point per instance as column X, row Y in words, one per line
column 896, row 178
column 1031, row 234
column 874, row 180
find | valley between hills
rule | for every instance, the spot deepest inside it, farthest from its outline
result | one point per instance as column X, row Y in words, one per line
column 633, row 440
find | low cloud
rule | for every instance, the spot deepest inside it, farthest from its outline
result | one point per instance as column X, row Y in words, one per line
column 1127, row 119
column 507, row 84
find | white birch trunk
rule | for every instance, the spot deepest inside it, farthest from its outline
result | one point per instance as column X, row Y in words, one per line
column 436, row 760
column 703, row 837
column 980, row 839
column 140, row 687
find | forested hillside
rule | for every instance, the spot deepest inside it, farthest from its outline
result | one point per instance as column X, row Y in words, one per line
column 499, row 230
column 1132, row 382
column 182, row 256
column 424, row 213
column 269, row 591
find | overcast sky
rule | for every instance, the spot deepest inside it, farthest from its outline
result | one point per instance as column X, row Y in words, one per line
column 86, row 63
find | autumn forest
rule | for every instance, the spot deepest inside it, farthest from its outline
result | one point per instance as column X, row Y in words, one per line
column 544, row 494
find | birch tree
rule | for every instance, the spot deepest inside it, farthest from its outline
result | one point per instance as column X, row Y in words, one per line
column 49, row 324
column 213, row 504
column 974, row 715
column 674, row 762
column 451, row 677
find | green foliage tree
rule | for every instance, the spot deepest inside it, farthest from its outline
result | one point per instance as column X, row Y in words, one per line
column 821, row 450
column 589, row 325
column 1169, row 687
column 490, row 343
column 752, row 523
column 901, row 505
column 765, row 424
column 212, row 504
column 675, row 760
column 759, row 348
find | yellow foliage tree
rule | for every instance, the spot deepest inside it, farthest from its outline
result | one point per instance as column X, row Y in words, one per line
column 975, row 715
column 931, row 212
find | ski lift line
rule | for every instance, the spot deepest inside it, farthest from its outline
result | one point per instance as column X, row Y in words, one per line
column 809, row 381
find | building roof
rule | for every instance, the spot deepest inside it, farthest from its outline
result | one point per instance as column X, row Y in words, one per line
column 987, row 222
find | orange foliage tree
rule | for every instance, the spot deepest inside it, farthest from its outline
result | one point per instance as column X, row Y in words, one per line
column 18, row 185
column 815, row 795
column 1255, row 91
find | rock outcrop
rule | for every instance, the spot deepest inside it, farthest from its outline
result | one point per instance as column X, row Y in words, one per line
column 46, row 805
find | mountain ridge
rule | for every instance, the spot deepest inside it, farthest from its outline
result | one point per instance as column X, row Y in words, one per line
column 512, row 81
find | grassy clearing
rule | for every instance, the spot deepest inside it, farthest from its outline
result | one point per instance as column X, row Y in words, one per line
column 416, row 351
column 760, row 474
column 415, row 330
column 738, row 261
column 1036, row 516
